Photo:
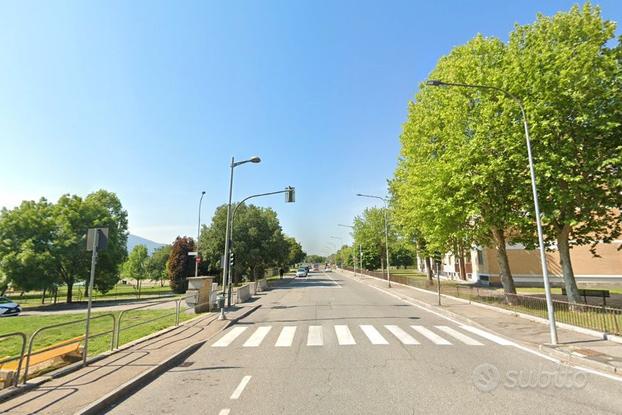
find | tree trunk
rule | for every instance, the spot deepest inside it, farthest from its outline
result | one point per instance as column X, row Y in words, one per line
column 69, row 292
column 43, row 296
column 572, row 292
column 382, row 266
column 502, row 259
column 428, row 266
column 461, row 264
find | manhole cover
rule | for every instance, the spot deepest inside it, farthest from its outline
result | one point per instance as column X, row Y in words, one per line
column 186, row 364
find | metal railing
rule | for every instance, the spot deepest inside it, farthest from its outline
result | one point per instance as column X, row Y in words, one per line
column 70, row 341
column 599, row 318
column 177, row 302
column 21, row 355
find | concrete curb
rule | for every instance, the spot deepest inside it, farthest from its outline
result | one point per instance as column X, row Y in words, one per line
column 561, row 355
column 122, row 392
column 11, row 392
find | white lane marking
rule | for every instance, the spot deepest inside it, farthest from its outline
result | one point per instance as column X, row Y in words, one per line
column 238, row 391
column 315, row 336
column 404, row 337
column 456, row 334
column 224, row 411
column 257, row 337
column 518, row 346
column 286, row 338
column 486, row 335
column 344, row 337
column 433, row 337
column 334, row 281
column 372, row 334
column 228, row 338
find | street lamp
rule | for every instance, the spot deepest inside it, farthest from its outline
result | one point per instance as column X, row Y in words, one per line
column 386, row 231
column 196, row 259
column 353, row 249
column 225, row 267
column 532, row 172
column 290, row 197
column 341, row 241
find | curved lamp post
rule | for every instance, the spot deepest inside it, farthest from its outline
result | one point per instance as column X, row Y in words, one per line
column 386, row 231
column 225, row 267
column 532, row 172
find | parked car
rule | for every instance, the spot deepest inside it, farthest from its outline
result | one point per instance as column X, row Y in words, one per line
column 9, row 308
column 302, row 272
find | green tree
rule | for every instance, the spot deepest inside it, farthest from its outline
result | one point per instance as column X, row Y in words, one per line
column 180, row 265
column 461, row 177
column 370, row 234
column 296, row 254
column 258, row 241
column 568, row 70
column 156, row 264
column 42, row 243
column 25, row 234
column 315, row 259
column 135, row 266
column 73, row 217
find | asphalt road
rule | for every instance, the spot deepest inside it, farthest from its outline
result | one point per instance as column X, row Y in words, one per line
column 331, row 345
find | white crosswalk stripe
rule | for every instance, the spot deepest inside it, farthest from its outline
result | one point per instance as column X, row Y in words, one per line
column 344, row 337
column 462, row 337
column 488, row 336
column 315, row 336
column 430, row 335
column 258, row 336
column 404, row 337
column 228, row 338
column 286, row 338
column 372, row 334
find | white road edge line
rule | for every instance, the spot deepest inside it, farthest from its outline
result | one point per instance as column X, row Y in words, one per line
column 518, row 346
column 238, row 391
column 334, row 281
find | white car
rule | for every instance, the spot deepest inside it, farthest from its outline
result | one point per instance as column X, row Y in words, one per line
column 8, row 308
column 302, row 272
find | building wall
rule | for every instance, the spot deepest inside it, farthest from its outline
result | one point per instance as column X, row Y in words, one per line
column 525, row 264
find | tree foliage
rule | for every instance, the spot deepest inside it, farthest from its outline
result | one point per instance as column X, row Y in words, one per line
column 258, row 241
column 43, row 243
column 180, row 265
column 156, row 263
column 135, row 266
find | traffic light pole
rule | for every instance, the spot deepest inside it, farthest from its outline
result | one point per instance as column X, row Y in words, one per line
column 290, row 193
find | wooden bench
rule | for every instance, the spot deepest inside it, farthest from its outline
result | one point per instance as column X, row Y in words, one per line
column 44, row 355
column 584, row 292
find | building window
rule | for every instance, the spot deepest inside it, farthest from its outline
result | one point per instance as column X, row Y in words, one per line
column 480, row 257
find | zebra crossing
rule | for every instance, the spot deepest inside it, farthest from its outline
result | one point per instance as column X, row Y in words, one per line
column 351, row 335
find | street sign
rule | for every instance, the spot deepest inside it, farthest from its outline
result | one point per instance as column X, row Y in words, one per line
column 193, row 253
column 102, row 239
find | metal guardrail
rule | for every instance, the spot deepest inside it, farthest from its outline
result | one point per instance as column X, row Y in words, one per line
column 66, row 342
column 21, row 355
column 151, row 304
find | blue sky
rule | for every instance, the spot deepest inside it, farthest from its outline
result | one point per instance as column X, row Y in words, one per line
column 150, row 99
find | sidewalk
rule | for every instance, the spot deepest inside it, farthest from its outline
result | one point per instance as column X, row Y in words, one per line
column 77, row 390
column 574, row 347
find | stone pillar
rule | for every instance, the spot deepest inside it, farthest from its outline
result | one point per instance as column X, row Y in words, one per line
column 199, row 292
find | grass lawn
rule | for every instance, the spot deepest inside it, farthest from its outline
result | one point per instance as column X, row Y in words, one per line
column 119, row 292
column 29, row 324
column 555, row 290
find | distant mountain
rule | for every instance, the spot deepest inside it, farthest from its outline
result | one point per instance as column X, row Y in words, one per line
column 133, row 240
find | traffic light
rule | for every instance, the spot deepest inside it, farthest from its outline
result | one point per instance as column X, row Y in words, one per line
column 290, row 194
column 231, row 259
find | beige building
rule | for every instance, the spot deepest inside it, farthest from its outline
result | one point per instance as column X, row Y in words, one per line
column 482, row 266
